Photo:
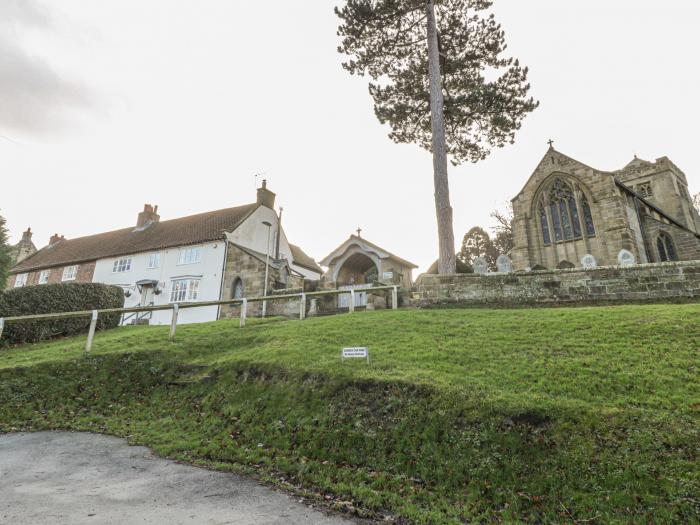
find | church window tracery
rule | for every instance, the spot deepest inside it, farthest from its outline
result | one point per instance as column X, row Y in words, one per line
column 667, row 250
column 561, row 210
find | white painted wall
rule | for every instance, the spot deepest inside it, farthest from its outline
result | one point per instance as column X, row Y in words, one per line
column 209, row 269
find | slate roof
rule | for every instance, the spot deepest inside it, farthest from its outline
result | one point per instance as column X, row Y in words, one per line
column 195, row 229
column 301, row 259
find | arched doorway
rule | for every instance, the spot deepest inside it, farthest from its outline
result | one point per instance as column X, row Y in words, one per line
column 357, row 272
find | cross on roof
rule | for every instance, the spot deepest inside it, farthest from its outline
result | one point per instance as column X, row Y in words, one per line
column 551, row 143
column 359, row 232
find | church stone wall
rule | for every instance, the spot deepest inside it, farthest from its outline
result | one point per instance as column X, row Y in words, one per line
column 649, row 282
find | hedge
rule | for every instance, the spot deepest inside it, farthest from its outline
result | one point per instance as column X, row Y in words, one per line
column 54, row 298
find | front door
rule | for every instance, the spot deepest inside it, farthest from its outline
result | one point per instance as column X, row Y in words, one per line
column 147, row 296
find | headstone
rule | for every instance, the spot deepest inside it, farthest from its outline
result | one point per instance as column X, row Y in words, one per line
column 480, row 266
column 626, row 258
column 589, row 262
column 504, row 264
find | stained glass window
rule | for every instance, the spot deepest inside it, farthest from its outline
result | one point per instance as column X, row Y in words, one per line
column 545, row 227
column 587, row 217
column 667, row 251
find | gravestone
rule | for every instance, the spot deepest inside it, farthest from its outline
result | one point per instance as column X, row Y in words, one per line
column 480, row 266
column 626, row 258
column 504, row 264
column 589, row 262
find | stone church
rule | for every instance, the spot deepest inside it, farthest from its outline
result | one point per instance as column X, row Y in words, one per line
column 568, row 210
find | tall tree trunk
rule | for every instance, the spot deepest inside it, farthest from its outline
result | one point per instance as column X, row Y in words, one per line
column 447, row 262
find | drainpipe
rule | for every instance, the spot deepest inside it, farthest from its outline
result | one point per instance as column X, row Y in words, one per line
column 223, row 278
column 279, row 234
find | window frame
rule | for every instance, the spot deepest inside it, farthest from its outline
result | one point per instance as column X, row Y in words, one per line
column 187, row 294
column 154, row 260
column 44, row 277
column 666, row 248
column 183, row 259
column 70, row 273
column 21, row 280
column 123, row 265
column 563, row 220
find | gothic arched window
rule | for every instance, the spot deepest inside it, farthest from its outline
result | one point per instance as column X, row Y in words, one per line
column 238, row 289
column 561, row 211
column 667, row 251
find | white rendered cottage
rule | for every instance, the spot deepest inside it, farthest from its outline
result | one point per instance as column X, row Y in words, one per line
column 206, row 257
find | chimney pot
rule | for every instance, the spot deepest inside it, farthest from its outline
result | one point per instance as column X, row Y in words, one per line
column 147, row 216
column 56, row 238
column 265, row 196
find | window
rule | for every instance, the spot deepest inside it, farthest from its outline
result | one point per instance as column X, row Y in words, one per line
column 21, row 280
column 561, row 210
column 238, row 289
column 122, row 265
column 644, row 190
column 667, row 251
column 184, row 290
column 70, row 273
column 44, row 276
column 190, row 255
column 154, row 261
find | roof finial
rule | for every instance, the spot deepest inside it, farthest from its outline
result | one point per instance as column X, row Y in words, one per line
column 551, row 143
column 359, row 232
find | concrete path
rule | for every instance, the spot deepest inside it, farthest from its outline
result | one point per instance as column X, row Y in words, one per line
column 80, row 479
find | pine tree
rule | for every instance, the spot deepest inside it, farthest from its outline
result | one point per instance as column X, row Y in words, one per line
column 5, row 254
column 439, row 80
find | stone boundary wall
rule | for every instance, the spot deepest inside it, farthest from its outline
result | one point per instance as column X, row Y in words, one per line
column 647, row 282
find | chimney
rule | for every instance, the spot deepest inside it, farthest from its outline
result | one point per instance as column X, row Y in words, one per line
column 56, row 238
column 265, row 196
column 27, row 237
column 148, row 216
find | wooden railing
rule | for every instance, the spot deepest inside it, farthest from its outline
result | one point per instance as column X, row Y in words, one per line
column 243, row 303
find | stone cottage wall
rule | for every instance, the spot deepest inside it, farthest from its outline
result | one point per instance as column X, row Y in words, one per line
column 650, row 282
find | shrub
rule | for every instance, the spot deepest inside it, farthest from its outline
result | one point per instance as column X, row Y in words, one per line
column 55, row 298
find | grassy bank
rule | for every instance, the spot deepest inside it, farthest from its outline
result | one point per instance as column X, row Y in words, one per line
column 555, row 415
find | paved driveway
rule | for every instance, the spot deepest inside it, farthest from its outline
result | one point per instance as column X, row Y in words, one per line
column 89, row 479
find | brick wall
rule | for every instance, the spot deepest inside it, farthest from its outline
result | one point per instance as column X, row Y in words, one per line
column 650, row 282
column 84, row 275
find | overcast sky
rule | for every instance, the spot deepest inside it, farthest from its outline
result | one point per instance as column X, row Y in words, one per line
column 106, row 105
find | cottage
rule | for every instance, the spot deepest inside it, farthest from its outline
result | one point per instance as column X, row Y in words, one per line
column 211, row 256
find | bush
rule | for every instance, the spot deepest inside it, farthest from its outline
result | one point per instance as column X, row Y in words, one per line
column 55, row 298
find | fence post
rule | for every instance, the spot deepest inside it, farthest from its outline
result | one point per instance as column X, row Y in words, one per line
column 91, row 332
column 2, row 326
column 173, row 323
column 395, row 298
column 352, row 301
column 302, row 307
column 244, row 311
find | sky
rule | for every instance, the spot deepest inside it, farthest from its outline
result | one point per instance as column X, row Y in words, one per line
column 105, row 106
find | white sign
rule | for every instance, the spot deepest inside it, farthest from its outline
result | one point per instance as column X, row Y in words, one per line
column 355, row 353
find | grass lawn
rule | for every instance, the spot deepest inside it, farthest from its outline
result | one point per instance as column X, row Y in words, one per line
column 534, row 415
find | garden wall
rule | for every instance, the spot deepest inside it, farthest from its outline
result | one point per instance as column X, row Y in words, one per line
column 648, row 282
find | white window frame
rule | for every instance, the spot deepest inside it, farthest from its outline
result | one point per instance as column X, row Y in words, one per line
column 184, row 290
column 21, row 280
column 190, row 255
column 44, row 276
column 122, row 265
column 154, row 261
column 70, row 273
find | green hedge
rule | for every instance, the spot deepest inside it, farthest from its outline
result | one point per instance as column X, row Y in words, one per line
column 54, row 298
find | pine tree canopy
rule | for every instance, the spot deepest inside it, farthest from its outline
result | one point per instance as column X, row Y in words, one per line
column 486, row 94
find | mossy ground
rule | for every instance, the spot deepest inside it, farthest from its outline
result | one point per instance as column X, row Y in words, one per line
column 531, row 415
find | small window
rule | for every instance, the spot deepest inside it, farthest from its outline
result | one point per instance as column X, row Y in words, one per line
column 154, row 261
column 21, row 280
column 667, row 251
column 70, row 273
column 644, row 190
column 238, row 289
column 184, row 290
column 122, row 265
column 44, row 276
column 190, row 255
